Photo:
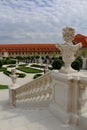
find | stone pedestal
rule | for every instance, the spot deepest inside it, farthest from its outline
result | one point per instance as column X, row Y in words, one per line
column 64, row 104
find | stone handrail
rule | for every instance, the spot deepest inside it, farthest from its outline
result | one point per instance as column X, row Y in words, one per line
column 35, row 91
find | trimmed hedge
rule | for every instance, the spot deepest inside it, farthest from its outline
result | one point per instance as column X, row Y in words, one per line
column 22, row 65
column 3, row 69
column 20, row 75
column 3, row 86
column 37, row 75
column 38, row 66
column 7, row 73
column 7, row 61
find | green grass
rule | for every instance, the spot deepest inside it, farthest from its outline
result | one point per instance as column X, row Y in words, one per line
column 3, row 86
column 29, row 70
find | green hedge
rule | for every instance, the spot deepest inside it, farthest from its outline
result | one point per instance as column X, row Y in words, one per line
column 3, row 86
column 20, row 75
column 38, row 66
column 7, row 73
column 22, row 65
column 7, row 61
column 37, row 75
column 3, row 69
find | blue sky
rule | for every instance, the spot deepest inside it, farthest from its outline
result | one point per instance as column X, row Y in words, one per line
column 40, row 21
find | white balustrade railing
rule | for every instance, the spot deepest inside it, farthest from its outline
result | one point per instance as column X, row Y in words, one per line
column 36, row 91
column 65, row 95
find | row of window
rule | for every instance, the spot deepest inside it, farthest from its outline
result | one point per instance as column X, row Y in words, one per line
column 29, row 49
column 19, row 53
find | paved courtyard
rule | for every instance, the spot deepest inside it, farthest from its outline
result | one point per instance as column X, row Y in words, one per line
column 23, row 118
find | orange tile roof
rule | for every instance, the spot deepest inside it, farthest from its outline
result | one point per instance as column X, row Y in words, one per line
column 81, row 38
column 28, row 47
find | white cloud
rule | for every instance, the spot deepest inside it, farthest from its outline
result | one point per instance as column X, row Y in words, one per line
column 40, row 21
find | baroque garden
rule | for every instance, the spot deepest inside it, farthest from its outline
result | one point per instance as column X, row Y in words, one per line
column 60, row 93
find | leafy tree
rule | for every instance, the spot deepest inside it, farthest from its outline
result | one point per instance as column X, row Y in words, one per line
column 57, row 64
column 77, row 64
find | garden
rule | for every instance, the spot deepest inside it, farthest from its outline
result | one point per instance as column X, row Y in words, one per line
column 34, row 68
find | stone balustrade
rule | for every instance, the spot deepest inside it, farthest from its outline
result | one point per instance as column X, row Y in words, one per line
column 35, row 92
column 66, row 95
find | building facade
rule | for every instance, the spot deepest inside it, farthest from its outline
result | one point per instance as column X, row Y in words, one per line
column 25, row 50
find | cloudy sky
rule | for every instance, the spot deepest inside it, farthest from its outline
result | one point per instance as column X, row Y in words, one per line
column 40, row 21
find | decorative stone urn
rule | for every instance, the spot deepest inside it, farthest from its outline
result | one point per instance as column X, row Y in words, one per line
column 68, row 50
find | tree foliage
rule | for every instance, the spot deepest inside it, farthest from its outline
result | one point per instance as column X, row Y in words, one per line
column 57, row 64
column 77, row 64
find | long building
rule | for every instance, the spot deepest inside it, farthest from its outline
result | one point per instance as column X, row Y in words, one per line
column 24, row 50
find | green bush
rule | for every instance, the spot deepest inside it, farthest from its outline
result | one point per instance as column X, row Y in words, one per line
column 57, row 64
column 38, row 66
column 11, row 61
column 21, row 75
column 7, row 61
column 77, row 64
column 7, row 73
column 37, row 75
column 50, row 68
column 21, row 65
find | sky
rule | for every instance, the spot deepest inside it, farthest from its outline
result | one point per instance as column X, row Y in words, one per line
column 40, row 21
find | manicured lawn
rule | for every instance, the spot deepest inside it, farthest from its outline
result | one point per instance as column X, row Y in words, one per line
column 3, row 86
column 29, row 70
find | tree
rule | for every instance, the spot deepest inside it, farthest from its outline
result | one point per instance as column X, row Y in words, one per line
column 77, row 64
column 37, row 57
column 57, row 64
